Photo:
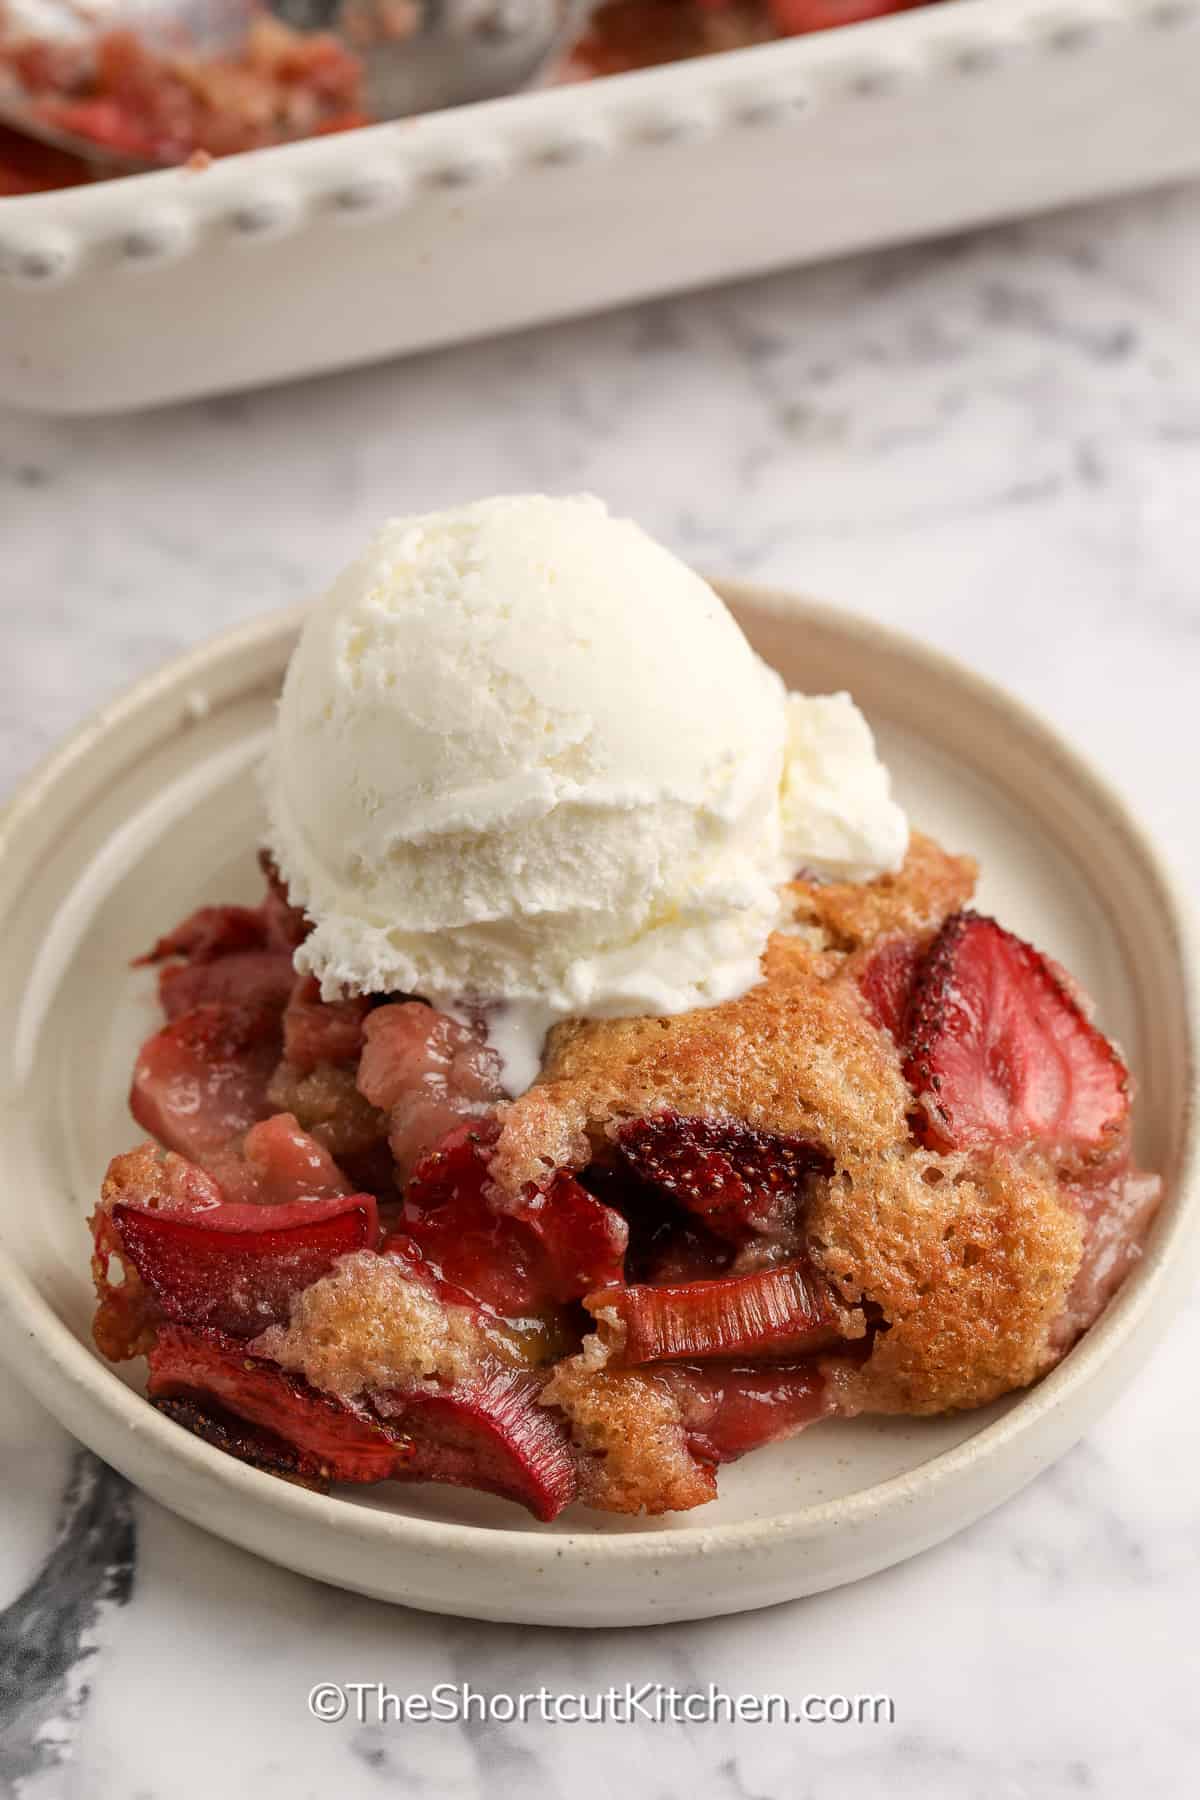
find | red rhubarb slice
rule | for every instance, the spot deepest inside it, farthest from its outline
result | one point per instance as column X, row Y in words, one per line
column 730, row 1411
column 285, row 1163
column 321, row 1031
column 489, row 1434
column 210, row 933
column 286, row 925
column 207, row 1381
column 253, row 978
column 999, row 1052
column 202, row 1081
column 234, row 1268
column 428, row 1073
column 773, row 1312
column 737, row 1179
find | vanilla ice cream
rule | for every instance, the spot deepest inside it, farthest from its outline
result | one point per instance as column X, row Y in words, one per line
column 526, row 760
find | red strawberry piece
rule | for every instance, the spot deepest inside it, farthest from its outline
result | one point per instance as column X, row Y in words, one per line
column 428, row 1072
column 210, row 933
column 999, row 1053
column 728, row 1411
column 779, row 1311
column 886, row 982
column 447, row 1216
column 266, row 1417
column 233, row 1267
column 490, row 1434
column 202, row 1081
column 254, row 978
column 582, row 1241
column 547, row 1249
column 321, row 1031
column 737, row 1179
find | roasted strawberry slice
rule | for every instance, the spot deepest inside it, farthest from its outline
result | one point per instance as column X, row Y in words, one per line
column 549, row 1248
column 321, row 1031
column 999, row 1053
column 202, row 1081
column 779, row 1311
column 490, row 1434
column 737, row 1179
column 234, row 1268
column 206, row 1377
column 428, row 1072
column 253, row 978
column 728, row 1411
column 886, row 983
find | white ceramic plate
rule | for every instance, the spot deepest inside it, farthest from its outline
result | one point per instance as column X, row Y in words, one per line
column 150, row 809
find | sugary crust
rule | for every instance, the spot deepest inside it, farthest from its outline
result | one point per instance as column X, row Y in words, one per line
column 795, row 1055
column 368, row 1325
column 969, row 1266
column 930, row 886
column 629, row 1427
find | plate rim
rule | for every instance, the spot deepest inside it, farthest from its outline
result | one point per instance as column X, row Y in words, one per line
column 37, row 1343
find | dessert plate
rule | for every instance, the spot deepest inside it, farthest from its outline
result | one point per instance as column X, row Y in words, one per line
column 151, row 809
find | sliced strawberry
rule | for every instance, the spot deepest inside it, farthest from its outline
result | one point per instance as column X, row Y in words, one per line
column 428, row 1072
column 490, row 1434
column 999, row 1053
column 550, row 1248
column 321, row 1031
column 728, row 1411
column 202, row 1081
column 234, row 1268
column 737, row 1179
column 779, row 1311
column 254, row 978
column 886, row 983
column 296, row 1431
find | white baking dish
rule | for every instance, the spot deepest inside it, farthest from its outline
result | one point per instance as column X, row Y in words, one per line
column 346, row 249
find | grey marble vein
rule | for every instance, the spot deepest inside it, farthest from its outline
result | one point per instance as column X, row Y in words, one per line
column 51, row 1632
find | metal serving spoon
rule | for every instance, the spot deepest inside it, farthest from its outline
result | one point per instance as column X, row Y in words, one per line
column 457, row 50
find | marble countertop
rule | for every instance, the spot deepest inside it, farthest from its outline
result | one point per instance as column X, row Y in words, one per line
column 993, row 441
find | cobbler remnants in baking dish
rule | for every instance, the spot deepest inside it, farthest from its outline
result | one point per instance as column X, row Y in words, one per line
column 895, row 1176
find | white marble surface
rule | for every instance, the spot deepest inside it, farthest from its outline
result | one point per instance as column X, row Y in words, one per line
column 993, row 441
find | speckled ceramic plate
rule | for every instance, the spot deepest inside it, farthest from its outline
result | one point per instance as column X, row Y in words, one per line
column 150, row 810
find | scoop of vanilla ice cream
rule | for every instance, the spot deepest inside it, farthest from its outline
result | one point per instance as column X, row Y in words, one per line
column 525, row 759
column 837, row 795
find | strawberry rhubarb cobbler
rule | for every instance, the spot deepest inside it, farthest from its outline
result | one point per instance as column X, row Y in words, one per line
column 568, row 1123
